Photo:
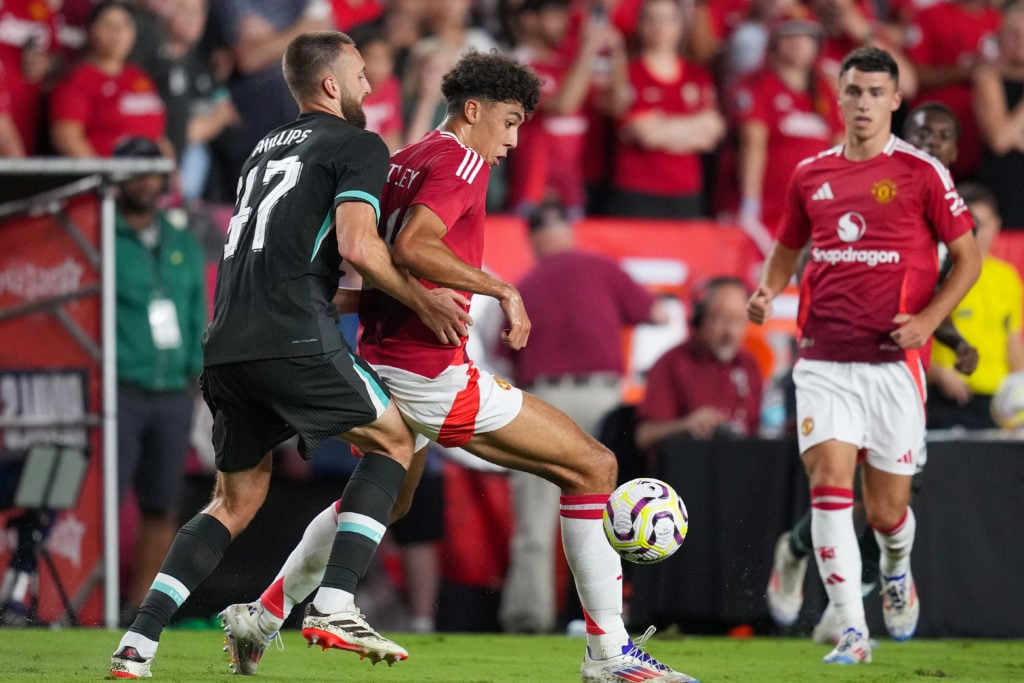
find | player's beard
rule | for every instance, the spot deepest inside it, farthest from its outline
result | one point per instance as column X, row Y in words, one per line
column 352, row 110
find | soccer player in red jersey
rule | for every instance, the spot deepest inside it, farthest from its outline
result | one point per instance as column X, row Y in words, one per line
column 432, row 215
column 872, row 210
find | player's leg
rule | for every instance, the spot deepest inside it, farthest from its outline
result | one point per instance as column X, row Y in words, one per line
column 195, row 553
column 544, row 441
column 785, row 591
column 830, row 468
column 896, row 451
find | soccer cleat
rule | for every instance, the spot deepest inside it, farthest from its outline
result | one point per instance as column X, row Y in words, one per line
column 128, row 663
column 853, row 648
column 244, row 640
column 828, row 630
column 348, row 630
column 900, row 606
column 786, row 585
column 632, row 665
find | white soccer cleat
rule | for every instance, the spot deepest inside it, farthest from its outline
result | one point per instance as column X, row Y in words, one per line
column 853, row 648
column 786, row 585
column 244, row 640
column 828, row 630
column 633, row 664
column 348, row 630
column 128, row 663
column 900, row 606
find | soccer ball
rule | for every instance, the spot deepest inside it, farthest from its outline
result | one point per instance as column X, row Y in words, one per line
column 645, row 520
column 1007, row 406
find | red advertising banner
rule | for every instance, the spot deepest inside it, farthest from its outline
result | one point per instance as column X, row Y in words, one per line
column 50, row 397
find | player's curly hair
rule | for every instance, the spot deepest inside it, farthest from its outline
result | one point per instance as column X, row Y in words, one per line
column 490, row 76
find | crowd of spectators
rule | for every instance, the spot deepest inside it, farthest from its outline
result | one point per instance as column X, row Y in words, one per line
column 653, row 108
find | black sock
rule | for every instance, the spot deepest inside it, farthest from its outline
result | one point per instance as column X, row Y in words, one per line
column 371, row 493
column 800, row 542
column 196, row 551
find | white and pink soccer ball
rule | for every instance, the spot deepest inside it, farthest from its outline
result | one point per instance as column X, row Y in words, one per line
column 645, row 520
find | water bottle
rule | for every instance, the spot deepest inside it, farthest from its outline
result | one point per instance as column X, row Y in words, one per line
column 773, row 412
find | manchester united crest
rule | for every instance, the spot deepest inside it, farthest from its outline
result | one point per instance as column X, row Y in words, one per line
column 502, row 383
column 807, row 426
column 884, row 191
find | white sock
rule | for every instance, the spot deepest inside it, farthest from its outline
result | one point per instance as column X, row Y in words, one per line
column 896, row 544
column 837, row 553
column 145, row 647
column 329, row 600
column 301, row 572
column 597, row 569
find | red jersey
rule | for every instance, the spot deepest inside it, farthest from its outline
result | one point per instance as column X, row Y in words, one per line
column 110, row 108
column 800, row 124
column 657, row 172
column 873, row 227
column 349, row 13
column 549, row 155
column 945, row 35
column 25, row 23
column 450, row 179
column 383, row 108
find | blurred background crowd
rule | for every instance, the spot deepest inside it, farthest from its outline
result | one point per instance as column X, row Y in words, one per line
column 654, row 108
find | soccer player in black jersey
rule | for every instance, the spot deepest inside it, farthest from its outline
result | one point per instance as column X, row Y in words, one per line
column 275, row 364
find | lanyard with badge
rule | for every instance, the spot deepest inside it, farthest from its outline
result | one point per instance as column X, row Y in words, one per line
column 163, row 314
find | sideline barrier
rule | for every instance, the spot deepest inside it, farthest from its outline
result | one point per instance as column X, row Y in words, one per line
column 58, row 362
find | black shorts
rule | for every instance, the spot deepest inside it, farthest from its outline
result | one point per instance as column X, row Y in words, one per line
column 258, row 404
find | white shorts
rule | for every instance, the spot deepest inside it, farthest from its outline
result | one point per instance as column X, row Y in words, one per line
column 877, row 407
column 450, row 408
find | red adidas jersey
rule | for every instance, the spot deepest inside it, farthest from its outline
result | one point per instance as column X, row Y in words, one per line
column 110, row 108
column 658, row 172
column 450, row 180
column 873, row 227
column 800, row 124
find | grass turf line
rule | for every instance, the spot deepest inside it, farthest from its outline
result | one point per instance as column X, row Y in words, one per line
column 41, row 656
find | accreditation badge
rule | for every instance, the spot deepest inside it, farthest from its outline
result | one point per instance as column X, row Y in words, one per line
column 163, row 324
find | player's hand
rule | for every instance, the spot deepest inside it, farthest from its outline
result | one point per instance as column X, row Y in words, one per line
column 702, row 423
column 966, row 358
column 444, row 311
column 912, row 333
column 759, row 306
column 518, row 331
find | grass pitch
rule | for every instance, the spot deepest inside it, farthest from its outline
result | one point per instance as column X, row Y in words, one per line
column 41, row 656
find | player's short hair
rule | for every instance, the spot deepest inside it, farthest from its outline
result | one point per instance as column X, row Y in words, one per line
column 307, row 57
column 490, row 76
column 931, row 107
column 976, row 193
column 870, row 60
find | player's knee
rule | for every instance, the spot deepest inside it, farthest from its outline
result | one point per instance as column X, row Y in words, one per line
column 601, row 470
column 885, row 516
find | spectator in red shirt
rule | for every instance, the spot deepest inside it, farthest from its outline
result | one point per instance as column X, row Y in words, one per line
column 785, row 112
column 10, row 141
column 107, row 99
column 673, row 119
column 947, row 42
column 28, row 32
column 549, row 156
column 383, row 106
column 708, row 386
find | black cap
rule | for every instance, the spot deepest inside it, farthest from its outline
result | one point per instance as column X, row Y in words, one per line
column 137, row 147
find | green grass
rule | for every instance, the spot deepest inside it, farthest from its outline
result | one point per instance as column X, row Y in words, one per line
column 40, row 656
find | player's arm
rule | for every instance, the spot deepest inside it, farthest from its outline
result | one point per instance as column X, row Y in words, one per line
column 420, row 249
column 966, row 355
column 778, row 270
column 359, row 244
column 915, row 330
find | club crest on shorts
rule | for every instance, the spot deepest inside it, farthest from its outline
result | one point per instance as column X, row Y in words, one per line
column 807, row 426
column 502, row 383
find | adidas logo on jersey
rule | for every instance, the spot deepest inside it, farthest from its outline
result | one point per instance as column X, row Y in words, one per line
column 823, row 192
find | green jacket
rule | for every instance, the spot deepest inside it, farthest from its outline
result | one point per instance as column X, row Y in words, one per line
column 175, row 270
